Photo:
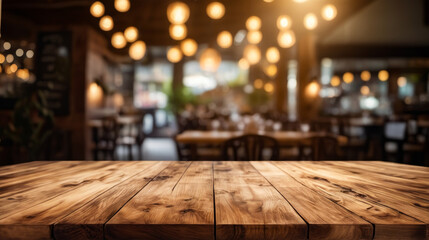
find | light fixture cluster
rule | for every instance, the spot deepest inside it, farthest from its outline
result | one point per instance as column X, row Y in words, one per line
column 14, row 59
column 119, row 40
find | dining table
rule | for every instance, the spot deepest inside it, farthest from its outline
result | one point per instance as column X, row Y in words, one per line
column 214, row 200
column 282, row 137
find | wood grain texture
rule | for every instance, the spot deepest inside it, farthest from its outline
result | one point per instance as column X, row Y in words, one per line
column 326, row 219
column 208, row 200
column 177, row 204
column 88, row 221
column 248, row 207
column 388, row 223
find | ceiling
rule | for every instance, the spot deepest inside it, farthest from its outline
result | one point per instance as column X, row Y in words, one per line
column 22, row 18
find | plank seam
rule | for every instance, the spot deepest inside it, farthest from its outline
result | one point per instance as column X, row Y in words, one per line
column 214, row 202
column 181, row 176
column 308, row 225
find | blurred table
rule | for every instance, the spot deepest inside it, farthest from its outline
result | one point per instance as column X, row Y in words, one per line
column 283, row 137
column 201, row 200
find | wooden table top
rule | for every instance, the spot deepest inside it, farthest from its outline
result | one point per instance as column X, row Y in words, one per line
column 208, row 200
column 217, row 137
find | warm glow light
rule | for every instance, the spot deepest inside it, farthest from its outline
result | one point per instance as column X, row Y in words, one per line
column 131, row 34
column 383, row 75
column 271, row 70
column 210, row 60
column 253, row 23
column 402, row 81
column 19, row 52
column 215, row 10
column 258, row 83
column 243, row 64
column 2, row 58
column 272, row 55
column 335, row 81
column 122, row 5
column 310, row 21
column 118, row 100
column 178, row 32
column 284, row 22
column 189, row 47
column 300, row 1
column 106, row 23
column 9, row 58
column 95, row 95
column 252, row 54
column 364, row 90
column 97, row 9
column 7, row 45
column 286, row 39
column 29, row 54
column 118, row 40
column 365, row 76
column 137, row 50
column 329, row 12
column 178, row 13
column 254, row 37
column 24, row 74
column 348, row 77
column 269, row 87
column 224, row 39
column 312, row 89
column 174, row 54
column 13, row 68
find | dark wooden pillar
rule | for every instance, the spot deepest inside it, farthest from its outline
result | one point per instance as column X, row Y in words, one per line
column 280, row 82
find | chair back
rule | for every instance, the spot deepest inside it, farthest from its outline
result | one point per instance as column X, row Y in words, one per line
column 324, row 148
column 251, row 147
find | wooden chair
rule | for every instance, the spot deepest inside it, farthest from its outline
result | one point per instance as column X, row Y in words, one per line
column 395, row 133
column 251, row 147
column 131, row 134
column 105, row 139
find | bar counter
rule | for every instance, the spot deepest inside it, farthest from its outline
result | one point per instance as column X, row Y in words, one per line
column 214, row 200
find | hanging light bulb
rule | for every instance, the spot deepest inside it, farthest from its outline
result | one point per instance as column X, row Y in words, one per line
column 189, row 47
column 271, row 70
column 312, row 89
column 254, row 37
column 402, row 81
column 365, row 75
column 252, row 54
column 174, row 54
column 137, row 50
column 269, row 87
column 97, row 9
column 178, row 13
column 178, row 32
column 243, row 64
column 284, row 22
column 2, row 58
column 272, row 55
column 364, row 90
column 19, row 52
column 253, row 23
column 310, row 21
column 131, row 34
column 329, row 12
column 9, row 58
column 106, row 23
column 383, row 75
column 286, row 39
column 210, row 60
column 335, row 81
column 348, row 77
column 258, row 83
column 224, row 39
column 215, row 10
column 118, row 40
column 29, row 54
column 122, row 5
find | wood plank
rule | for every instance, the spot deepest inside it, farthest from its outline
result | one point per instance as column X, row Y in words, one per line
column 248, row 207
column 177, row 204
column 388, row 223
column 17, row 168
column 326, row 219
column 88, row 221
column 14, row 202
column 36, row 222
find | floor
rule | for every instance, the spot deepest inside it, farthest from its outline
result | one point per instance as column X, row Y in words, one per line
column 158, row 149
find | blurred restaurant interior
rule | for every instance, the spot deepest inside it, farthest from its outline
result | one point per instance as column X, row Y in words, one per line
column 178, row 80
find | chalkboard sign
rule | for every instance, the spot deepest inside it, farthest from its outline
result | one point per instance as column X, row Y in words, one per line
column 53, row 68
